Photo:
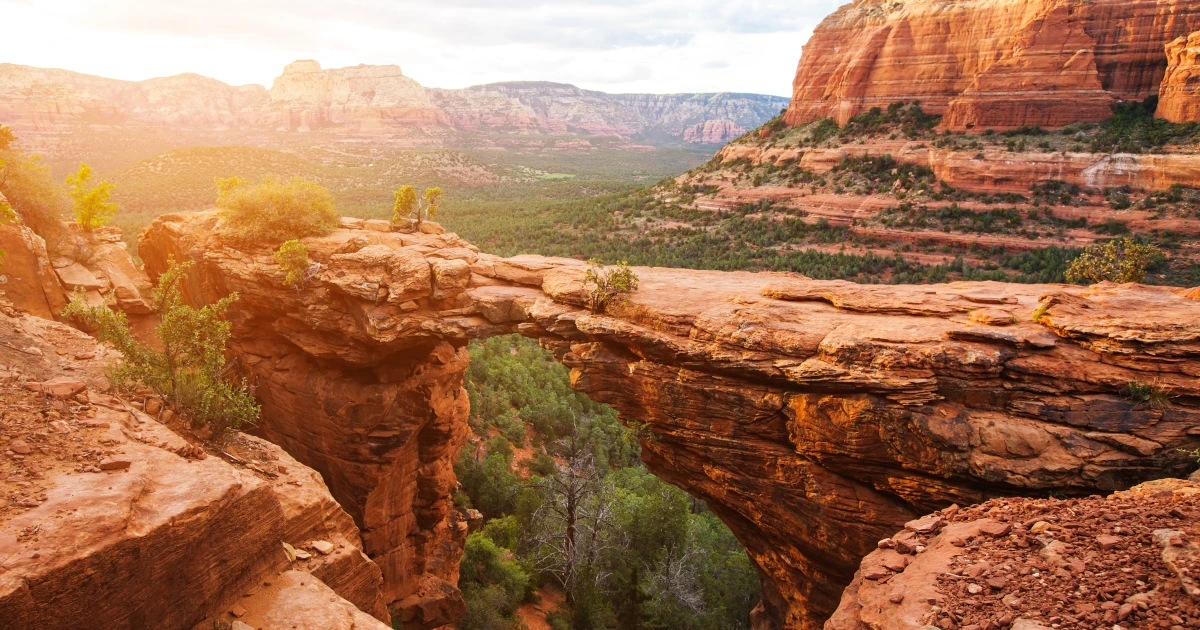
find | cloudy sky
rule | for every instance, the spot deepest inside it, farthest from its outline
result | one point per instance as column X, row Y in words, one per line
column 611, row 45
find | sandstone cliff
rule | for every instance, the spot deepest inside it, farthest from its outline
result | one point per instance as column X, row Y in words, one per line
column 988, row 63
column 713, row 132
column 114, row 520
column 1178, row 98
column 814, row 418
column 377, row 101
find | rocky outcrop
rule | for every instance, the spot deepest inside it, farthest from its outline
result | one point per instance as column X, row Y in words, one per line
column 36, row 281
column 813, row 417
column 376, row 101
column 1126, row 559
column 987, row 63
column 113, row 520
column 712, row 132
column 1179, row 94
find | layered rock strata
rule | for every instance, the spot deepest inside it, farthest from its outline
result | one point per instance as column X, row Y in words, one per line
column 1128, row 559
column 374, row 101
column 113, row 520
column 996, row 170
column 1179, row 94
column 988, row 63
column 813, row 417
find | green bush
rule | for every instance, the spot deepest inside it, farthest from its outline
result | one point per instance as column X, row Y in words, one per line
column 292, row 258
column 274, row 211
column 1123, row 260
column 187, row 367
column 602, row 285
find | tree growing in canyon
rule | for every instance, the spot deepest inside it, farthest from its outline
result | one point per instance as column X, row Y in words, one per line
column 1123, row 260
column 602, row 284
column 187, row 368
column 572, row 529
column 274, row 211
column 91, row 203
column 409, row 207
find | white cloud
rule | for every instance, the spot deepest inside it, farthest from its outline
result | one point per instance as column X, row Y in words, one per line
column 613, row 45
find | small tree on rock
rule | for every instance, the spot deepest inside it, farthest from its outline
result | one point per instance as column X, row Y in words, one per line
column 91, row 205
column 1122, row 260
column 408, row 206
column 292, row 258
column 602, row 284
column 188, row 369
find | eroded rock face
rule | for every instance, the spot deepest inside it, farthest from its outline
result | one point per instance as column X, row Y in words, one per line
column 814, row 417
column 307, row 97
column 987, row 63
column 712, row 132
column 996, row 170
column 1178, row 99
column 36, row 280
column 374, row 101
column 119, row 522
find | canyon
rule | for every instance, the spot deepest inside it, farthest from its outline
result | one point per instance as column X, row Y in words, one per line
column 814, row 417
column 994, row 64
column 375, row 103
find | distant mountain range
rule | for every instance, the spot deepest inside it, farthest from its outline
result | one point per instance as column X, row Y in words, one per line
column 371, row 102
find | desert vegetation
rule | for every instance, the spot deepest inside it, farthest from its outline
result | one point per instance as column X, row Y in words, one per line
column 187, row 366
column 273, row 210
column 1122, row 260
column 570, row 509
column 91, row 205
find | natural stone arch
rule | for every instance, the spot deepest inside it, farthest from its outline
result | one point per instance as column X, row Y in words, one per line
column 814, row 417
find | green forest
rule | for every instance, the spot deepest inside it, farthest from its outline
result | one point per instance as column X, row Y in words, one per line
column 544, row 461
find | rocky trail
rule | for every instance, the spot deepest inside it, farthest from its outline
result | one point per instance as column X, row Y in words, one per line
column 1127, row 560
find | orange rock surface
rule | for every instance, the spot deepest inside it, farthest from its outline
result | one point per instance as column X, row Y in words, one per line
column 113, row 520
column 1178, row 97
column 813, row 417
column 1124, row 559
column 987, row 63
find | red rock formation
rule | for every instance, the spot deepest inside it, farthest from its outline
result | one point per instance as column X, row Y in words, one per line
column 1125, row 559
column 997, row 63
column 1047, row 77
column 38, row 281
column 114, row 521
column 813, row 417
column 713, row 132
column 995, row 170
column 1178, row 97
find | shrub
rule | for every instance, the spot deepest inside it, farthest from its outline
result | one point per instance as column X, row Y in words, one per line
column 292, row 258
column 603, row 284
column 1121, row 260
column 91, row 205
column 274, row 211
column 1146, row 394
column 187, row 368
